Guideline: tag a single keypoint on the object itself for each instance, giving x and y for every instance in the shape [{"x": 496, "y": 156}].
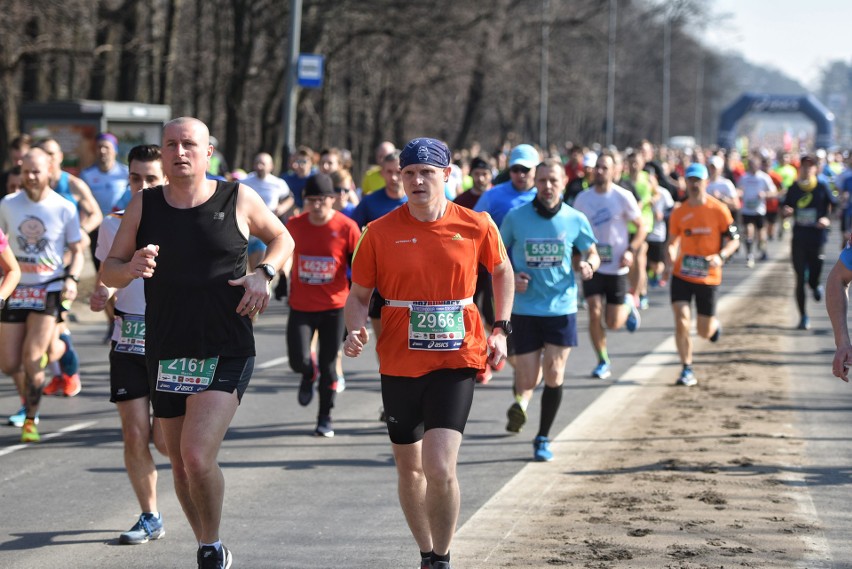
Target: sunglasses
[{"x": 518, "y": 170}]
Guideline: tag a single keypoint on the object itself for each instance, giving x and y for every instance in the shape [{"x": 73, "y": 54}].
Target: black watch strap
[
  {"x": 504, "y": 325},
  {"x": 267, "y": 270}
]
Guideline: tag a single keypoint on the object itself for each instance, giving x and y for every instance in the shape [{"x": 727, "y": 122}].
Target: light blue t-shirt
[
  {"x": 501, "y": 198},
  {"x": 107, "y": 187},
  {"x": 542, "y": 248},
  {"x": 375, "y": 205}
]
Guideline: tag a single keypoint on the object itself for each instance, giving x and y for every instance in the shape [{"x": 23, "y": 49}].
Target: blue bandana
[{"x": 425, "y": 151}]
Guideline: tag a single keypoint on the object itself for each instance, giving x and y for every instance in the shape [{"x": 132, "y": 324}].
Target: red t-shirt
[
  {"x": 318, "y": 278},
  {"x": 429, "y": 262}
]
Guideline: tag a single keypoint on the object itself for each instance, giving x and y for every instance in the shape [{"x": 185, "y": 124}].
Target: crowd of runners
[{"x": 452, "y": 263}]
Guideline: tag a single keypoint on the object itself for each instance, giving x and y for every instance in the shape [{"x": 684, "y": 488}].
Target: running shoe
[
  {"x": 517, "y": 418},
  {"x": 634, "y": 320},
  {"x": 341, "y": 384},
  {"x": 324, "y": 427},
  {"x": 804, "y": 323},
  {"x": 29, "y": 432},
  {"x": 17, "y": 420},
  {"x": 441, "y": 565},
  {"x": 483, "y": 377},
  {"x": 601, "y": 371},
  {"x": 750, "y": 261},
  {"x": 72, "y": 384},
  {"x": 687, "y": 378},
  {"x": 426, "y": 562},
  {"x": 541, "y": 450},
  {"x": 818, "y": 292},
  {"x": 764, "y": 256},
  {"x": 306, "y": 391},
  {"x": 717, "y": 334},
  {"x": 55, "y": 387},
  {"x": 211, "y": 558},
  {"x": 147, "y": 528},
  {"x": 643, "y": 302}
]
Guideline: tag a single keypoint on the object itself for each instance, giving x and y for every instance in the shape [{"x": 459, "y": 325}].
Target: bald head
[
  {"x": 35, "y": 171},
  {"x": 186, "y": 149},
  {"x": 263, "y": 164},
  {"x": 383, "y": 149}
]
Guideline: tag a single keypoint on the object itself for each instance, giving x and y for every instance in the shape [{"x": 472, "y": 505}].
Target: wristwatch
[
  {"x": 267, "y": 270},
  {"x": 504, "y": 325}
]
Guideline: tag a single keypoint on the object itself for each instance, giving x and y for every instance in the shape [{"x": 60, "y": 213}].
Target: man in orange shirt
[
  {"x": 422, "y": 258},
  {"x": 702, "y": 236}
]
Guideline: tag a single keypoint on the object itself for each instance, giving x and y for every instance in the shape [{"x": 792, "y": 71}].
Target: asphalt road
[{"x": 297, "y": 501}]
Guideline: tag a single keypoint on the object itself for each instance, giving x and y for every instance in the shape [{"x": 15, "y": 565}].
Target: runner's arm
[
  {"x": 837, "y": 304},
  {"x": 355, "y": 314},
  {"x": 90, "y": 213},
  {"x": 11, "y": 272}
]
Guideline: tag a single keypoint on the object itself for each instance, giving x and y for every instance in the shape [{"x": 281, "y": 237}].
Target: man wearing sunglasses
[{"x": 518, "y": 190}]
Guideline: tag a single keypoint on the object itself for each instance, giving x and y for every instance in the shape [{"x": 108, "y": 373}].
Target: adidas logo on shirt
[{"x": 457, "y": 237}]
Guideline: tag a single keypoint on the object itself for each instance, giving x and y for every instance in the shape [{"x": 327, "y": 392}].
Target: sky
[{"x": 798, "y": 37}]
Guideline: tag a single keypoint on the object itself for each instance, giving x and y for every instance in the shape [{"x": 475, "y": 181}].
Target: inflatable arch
[{"x": 808, "y": 105}]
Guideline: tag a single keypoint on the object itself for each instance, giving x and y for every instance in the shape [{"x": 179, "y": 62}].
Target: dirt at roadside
[{"x": 701, "y": 477}]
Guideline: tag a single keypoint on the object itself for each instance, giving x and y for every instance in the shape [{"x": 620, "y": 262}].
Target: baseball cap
[
  {"x": 319, "y": 185},
  {"x": 696, "y": 170},
  {"x": 524, "y": 155},
  {"x": 809, "y": 158},
  {"x": 479, "y": 164},
  {"x": 590, "y": 159},
  {"x": 717, "y": 162}
]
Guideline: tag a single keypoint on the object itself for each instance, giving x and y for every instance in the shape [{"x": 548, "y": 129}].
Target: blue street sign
[{"x": 309, "y": 70}]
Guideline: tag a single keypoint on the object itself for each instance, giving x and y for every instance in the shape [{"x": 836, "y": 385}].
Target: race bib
[
  {"x": 132, "y": 335},
  {"x": 605, "y": 253},
  {"x": 544, "y": 253},
  {"x": 186, "y": 375},
  {"x": 694, "y": 266},
  {"x": 751, "y": 204},
  {"x": 806, "y": 217},
  {"x": 436, "y": 326},
  {"x": 316, "y": 270},
  {"x": 28, "y": 298}
]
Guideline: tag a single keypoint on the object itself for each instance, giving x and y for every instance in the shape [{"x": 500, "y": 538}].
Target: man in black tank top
[{"x": 188, "y": 240}]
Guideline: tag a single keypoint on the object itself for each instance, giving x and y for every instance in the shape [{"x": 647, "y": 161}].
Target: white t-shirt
[
  {"x": 721, "y": 189},
  {"x": 271, "y": 189},
  {"x": 608, "y": 214},
  {"x": 658, "y": 233},
  {"x": 130, "y": 299},
  {"x": 38, "y": 234},
  {"x": 752, "y": 185}
]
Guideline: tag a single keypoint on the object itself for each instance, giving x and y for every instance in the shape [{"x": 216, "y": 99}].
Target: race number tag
[
  {"x": 694, "y": 266},
  {"x": 316, "y": 270},
  {"x": 544, "y": 253},
  {"x": 806, "y": 217},
  {"x": 436, "y": 326},
  {"x": 132, "y": 338},
  {"x": 185, "y": 375},
  {"x": 605, "y": 253},
  {"x": 751, "y": 204},
  {"x": 28, "y": 298}
]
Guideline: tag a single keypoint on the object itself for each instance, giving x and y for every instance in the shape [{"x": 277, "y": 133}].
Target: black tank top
[{"x": 191, "y": 308}]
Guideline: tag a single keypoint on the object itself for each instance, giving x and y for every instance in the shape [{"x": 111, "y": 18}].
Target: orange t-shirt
[
  {"x": 318, "y": 278},
  {"x": 410, "y": 260},
  {"x": 700, "y": 230}
]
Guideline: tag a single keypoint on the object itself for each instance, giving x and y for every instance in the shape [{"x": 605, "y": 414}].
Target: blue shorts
[{"x": 531, "y": 333}]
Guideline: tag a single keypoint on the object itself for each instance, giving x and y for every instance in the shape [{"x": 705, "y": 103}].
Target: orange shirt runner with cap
[
  {"x": 699, "y": 230},
  {"x": 409, "y": 260}
]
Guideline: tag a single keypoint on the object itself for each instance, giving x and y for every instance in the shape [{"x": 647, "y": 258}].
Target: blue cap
[
  {"x": 696, "y": 170},
  {"x": 425, "y": 151},
  {"x": 524, "y": 155}
]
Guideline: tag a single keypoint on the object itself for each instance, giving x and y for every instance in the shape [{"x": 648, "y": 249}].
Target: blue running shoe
[
  {"x": 147, "y": 528},
  {"x": 687, "y": 378},
  {"x": 211, "y": 558},
  {"x": 804, "y": 323},
  {"x": 17, "y": 420},
  {"x": 541, "y": 450},
  {"x": 601, "y": 371},
  {"x": 818, "y": 292},
  {"x": 634, "y": 320}
]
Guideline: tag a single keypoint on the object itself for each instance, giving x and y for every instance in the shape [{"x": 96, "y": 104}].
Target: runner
[
  {"x": 515, "y": 192},
  {"x": 754, "y": 187},
  {"x": 542, "y": 236},
  {"x": 128, "y": 376},
  {"x": 422, "y": 258},
  {"x": 702, "y": 236},
  {"x": 42, "y": 226},
  {"x": 325, "y": 242},
  {"x": 837, "y": 306},
  {"x": 609, "y": 208},
  {"x": 188, "y": 240},
  {"x": 810, "y": 203}
]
